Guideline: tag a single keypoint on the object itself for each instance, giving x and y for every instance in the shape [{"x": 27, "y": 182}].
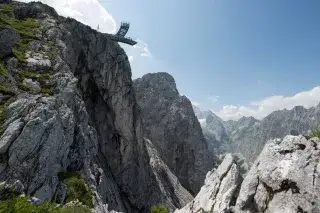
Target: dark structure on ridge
[{"x": 120, "y": 35}]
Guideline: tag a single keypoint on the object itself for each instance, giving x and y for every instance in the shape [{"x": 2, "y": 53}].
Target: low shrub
[{"x": 159, "y": 209}]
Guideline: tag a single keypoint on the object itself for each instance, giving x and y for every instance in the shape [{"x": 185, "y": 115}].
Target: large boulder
[
  {"x": 284, "y": 178},
  {"x": 8, "y": 38}
]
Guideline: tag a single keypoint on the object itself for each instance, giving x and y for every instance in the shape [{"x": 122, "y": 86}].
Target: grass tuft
[
  {"x": 20, "y": 205},
  {"x": 76, "y": 188},
  {"x": 6, "y": 8},
  {"x": 3, "y": 69},
  {"x": 315, "y": 133},
  {"x": 25, "y": 28},
  {"x": 159, "y": 209},
  {"x": 43, "y": 79}
]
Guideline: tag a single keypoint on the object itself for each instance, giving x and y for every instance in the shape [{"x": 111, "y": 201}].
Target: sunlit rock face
[{"x": 284, "y": 179}]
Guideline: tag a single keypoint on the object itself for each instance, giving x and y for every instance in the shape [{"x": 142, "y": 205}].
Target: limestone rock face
[
  {"x": 89, "y": 123},
  {"x": 172, "y": 190},
  {"x": 174, "y": 129},
  {"x": 213, "y": 130},
  {"x": 219, "y": 191},
  {"x": 8, "y": 37},
  {"x": 284, "y": 178}
]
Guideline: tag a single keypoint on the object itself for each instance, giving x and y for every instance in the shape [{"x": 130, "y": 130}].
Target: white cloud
[
  {"x": 195, "y": 103},
  {"x": 89, "y": 12},
  {"x": 260, "y": 109},
  {"x": 143, "y": 48},
  {"x": 130, "y": 58},
  {"x": 213, "y": 99}
]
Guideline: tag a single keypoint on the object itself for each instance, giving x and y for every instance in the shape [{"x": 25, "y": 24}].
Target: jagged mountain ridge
[{"x": 249, "y": 135}]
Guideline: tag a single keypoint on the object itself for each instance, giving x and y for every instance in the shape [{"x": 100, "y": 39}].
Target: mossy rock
[
  {"x": 23, "y": 87},
  {"x": 76, "y": 188},
  {"x": 6, "y": 8},
  {"x": 6, "y": 89},
  {"x": 25, "y": 28},
  {"x": 43, "y": 79}
]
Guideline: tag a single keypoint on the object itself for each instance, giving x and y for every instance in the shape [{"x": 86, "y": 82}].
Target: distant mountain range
[{"x": 249, "y": 135}]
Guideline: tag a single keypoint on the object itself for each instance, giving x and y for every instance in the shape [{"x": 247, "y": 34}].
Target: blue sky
[
  {"x": 241, "y": 51},
  {"x": 235, "y": 57}
]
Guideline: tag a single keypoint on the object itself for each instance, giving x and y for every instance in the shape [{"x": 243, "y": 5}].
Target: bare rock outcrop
[
  {"x": 8, "y": 38},
  {"x": 173, "y": 128},
  {"x": 284, "y": 178},
  {"x": 219, "y": 191}
]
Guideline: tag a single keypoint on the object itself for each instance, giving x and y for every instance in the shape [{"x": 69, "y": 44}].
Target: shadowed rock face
[
  {"x": 284, "y": 178},
  {"x": 90, "y": 125},
  {"x": 173, "y": 128}
]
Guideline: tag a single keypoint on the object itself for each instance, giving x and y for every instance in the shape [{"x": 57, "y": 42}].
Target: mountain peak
[{"x": 161, "y": 81}]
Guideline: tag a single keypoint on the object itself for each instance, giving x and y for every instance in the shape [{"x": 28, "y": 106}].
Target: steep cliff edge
[
  {"x": 174, "y": 129},
  {"x": 68, "y": 106},
  {"x": 284, "y": 179}
]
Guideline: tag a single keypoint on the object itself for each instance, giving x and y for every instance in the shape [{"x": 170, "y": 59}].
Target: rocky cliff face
[
  {"x": 219, "y": 191},
  {"x": 67, "y": 105},
  {"x": 248, "y": 135},
  {"x": 174, "y": 129},
  {"x": 284, "y": 178},
  {"x": 214, "y": 131}
]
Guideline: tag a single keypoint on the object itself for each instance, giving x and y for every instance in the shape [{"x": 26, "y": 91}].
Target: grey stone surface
[
  {"x": 171, "y": 189},
  {"x": 219, "y": 191},
  {"x": 214, "y": 131},
  {"x": 8, "y": 37},
  {"x": 173, "y": 128},
  {"x": 33, "y": 85},
  {"x": 284, "y": 178},
  {"x": 12, "y": 64}
]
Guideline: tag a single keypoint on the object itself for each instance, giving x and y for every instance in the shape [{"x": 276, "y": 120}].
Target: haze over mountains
[{"x": 248, "y": 135}]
